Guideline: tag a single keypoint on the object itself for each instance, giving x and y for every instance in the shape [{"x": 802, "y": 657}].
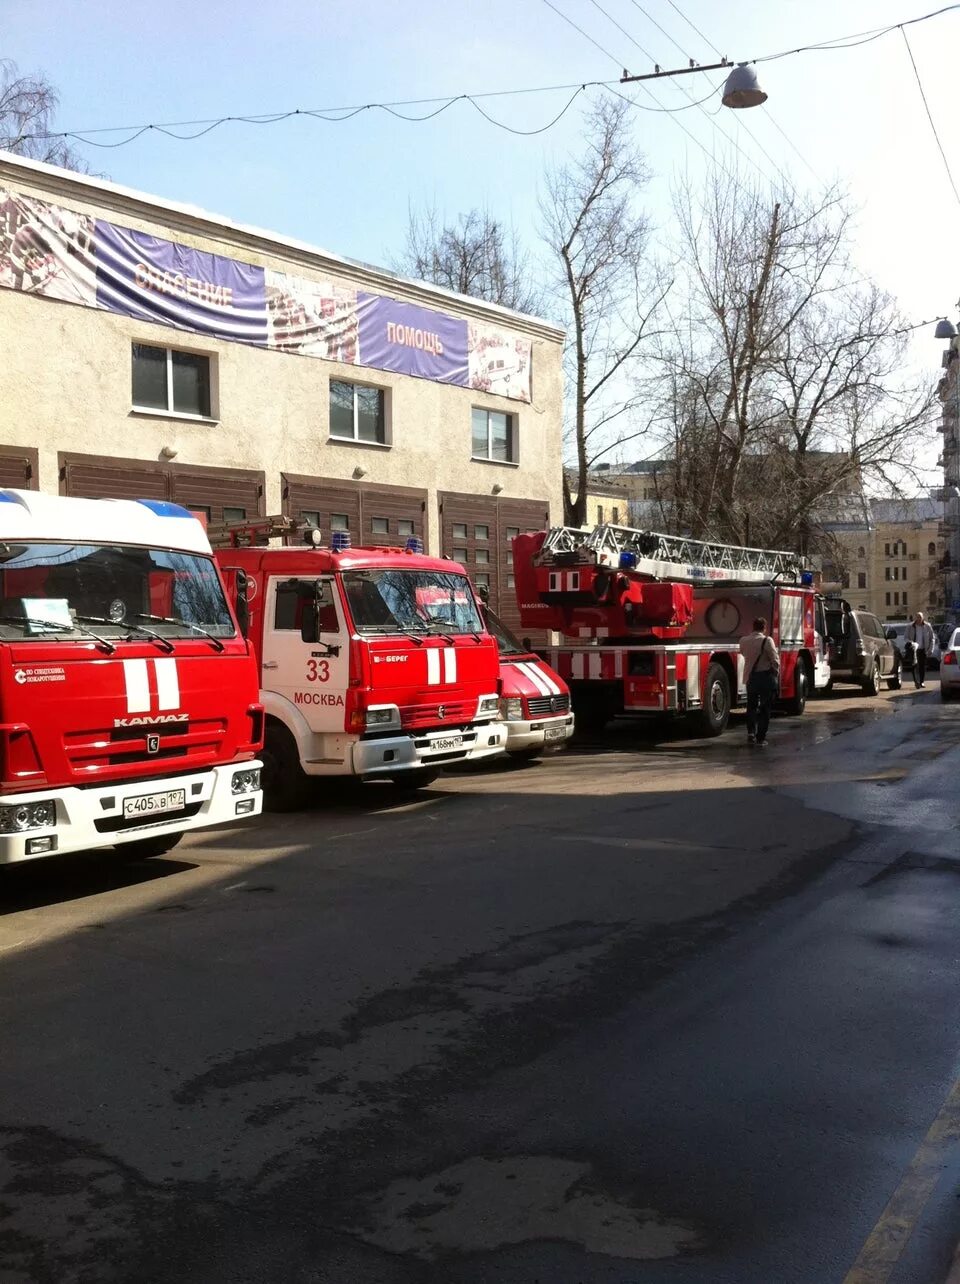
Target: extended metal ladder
[{"x": 667, "y": 557}]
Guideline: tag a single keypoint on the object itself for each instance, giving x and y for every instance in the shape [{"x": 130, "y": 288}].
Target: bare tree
[
  {"x": 782, "y": 386},
  {"x": 477, "y": 255},
  {"x": 28, "y": 104},
  {"x": 610, "y": 298}
]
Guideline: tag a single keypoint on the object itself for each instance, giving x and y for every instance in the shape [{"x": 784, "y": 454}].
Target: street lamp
[{"x": 741, "y": 89}]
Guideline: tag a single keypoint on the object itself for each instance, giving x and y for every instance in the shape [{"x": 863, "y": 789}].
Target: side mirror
[
  {"x": 309, "y": 631},
  {"x": 891, "y": 635},
  {"x": 235, "y": 579}
]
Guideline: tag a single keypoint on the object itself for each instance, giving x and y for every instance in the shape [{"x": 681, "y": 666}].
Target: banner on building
[{"x": 58, "y": 253}]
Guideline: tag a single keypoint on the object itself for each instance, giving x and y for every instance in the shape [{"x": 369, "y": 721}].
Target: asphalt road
[{"x": 656, "y": 1010}]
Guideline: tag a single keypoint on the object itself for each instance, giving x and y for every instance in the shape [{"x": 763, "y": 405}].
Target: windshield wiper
[
  {"x": 438, "y": 632},
  {"x": 61, "y": 628},
  {"x": 183, "y": 624},
  {"x": 141, "y": 628}
]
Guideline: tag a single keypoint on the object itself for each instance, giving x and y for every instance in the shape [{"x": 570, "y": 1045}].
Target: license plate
[
  {"x": 151, "y": 804},
  {"x": 446, "y": 743},
  {"x": 555, "y": 733}
]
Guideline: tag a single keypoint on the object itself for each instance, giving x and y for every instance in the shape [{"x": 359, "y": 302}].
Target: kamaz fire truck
[
  {"x": 129, "y": 701},
  {"x": 658, "y": 620},
  {"x": 375, "y": 662}
]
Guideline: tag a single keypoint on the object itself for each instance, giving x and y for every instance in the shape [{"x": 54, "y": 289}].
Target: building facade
[{"x": 153, "y": 350}]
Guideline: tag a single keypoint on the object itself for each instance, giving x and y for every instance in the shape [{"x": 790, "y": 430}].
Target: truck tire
[
  {"x": 715, "y": 714},
  {"x": 286, "y": 786},
  {"x": 871, "y": 686},
  {"x": 415, "y": 778},
  {"x": 802, "y": 683},
  {"x": 144, "y": 848}
]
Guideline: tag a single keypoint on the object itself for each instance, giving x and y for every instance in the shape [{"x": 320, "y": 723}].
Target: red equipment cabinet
[
  {"x": 375, "y": 662},
  {"x": 129, "y": 706},
  {"x": 658, "y": 620}
]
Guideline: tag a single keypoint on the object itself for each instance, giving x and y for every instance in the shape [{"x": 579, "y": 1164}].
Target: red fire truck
[
  {"x": 129, "y": 706},
  {"x": 658, "y": 618},
  {"x": 375, "y": 662}
]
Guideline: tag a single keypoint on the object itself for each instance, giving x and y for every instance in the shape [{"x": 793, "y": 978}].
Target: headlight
[
  {"x": 36, "y": 815},
  {"x": 246, "y": 781},
  {"x": 383, "y": 717},
  {"x": 489, "y": 706},
  {"x": 511, "y": 710}
]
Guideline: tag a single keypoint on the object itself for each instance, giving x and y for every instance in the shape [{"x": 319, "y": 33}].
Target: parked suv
[{"x": 860, "y": 652}]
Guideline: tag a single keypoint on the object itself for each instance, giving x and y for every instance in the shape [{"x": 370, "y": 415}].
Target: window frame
[
  {"x": 513, "y": 438},
  {"x": 334, "y": 438},
  {"x": 212, "y": 416}
]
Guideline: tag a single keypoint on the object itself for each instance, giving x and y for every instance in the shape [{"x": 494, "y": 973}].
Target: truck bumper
[
  {"x": 386, "y": 755},
  {"x": 545, "y": 733},
  {"x": 91, "y": 818}
]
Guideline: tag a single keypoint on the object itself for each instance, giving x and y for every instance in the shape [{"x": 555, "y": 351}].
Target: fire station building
[{"x": 153, "y": 350}]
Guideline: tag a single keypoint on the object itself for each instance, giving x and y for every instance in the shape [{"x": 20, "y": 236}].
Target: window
[
  {"x": 460, "y": 554},
  {"x": 380, "y": 525},
  {"x": 896, "y": 572},
  {"x": 886, "y": 550},
  {"x": 512, "y": 532},
  {"x": 599, "y": 514},
  {"x": 172, "y": 382},
  {"x": 482, "y": 581},
  {"x": 861, "y": 579},
  {"x": 482, "y": 557},
  {"x": 481, "y": 532},
  {"x": 896, "y": 599},
  {"x": 888, "y": 599},
  {"x": 511, "y": 582},
  {"x": 356, "y": 413},
  {"x": 310, "y": 516},
  {"x": 931, "y": 549},
  {"x": 459, "y": 530},
  {"x": 293, "y": 596},
  {"x": 493, "y": 436},
  {"x": 405, "y": 528},
  {"x": 903, "y": 572},
  {"x": 234, "y": 514},
  {"x": 886, "y": 572},
  {"x": 861, "y": 551},
  {"x": 339, "y": 522},
  {"x": 615, "y": 519}
]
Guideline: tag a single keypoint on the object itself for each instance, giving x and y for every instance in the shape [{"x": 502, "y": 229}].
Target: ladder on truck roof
[
  {"x": 667, "y": 557},
  {"x": 251, "y": 532}
]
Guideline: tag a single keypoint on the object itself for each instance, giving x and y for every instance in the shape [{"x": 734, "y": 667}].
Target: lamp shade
[
  {"x": 742, "y": 88},
  {"x": 945, "y": 329}
]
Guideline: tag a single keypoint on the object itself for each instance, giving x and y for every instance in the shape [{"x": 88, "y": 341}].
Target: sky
[{"x": 855, "y": 115}]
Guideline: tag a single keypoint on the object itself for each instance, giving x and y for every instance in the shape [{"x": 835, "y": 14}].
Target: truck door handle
[{"x": 270, "y": 664}]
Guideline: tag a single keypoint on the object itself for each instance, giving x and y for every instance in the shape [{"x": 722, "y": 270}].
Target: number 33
[{"x": 318, "y": 670}]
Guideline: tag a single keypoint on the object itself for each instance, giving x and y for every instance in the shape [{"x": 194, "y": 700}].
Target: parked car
[
  {"x": 534, "y": 701},
  {"x": 896, "y": 631},
  {"x": 950, "y": 666},
  {"x": 861, "y": 654}
]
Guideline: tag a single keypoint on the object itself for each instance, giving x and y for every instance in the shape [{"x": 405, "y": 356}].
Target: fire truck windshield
[
  {"x": 507, "y": 644},
  {"x": 55, "y": 590},
  {"x": 401, "y": 601}
]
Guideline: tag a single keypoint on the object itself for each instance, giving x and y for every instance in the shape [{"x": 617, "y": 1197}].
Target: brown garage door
[
  {"x": 373, "y": 514},
  {"x": 477, "y": 530},
  {"x": 19, "y": 468},
  {"x": 221, "y": 494}
]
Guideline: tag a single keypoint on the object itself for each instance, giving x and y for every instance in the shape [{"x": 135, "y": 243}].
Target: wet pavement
[{"x": 657, "y": 1009}]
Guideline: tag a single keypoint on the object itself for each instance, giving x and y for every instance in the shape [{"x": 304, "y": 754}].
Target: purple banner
[
  {"x": 412, "y": 340},
  {"x": 155, "y": 280}
]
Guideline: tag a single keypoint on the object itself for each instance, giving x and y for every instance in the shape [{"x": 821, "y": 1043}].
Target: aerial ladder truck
[{"x": 652, "y": 623}]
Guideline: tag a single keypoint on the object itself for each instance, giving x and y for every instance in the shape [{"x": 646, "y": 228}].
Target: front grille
[
  {"x": 540, "y": 706},
  {"x": 429, "y": 715},
  {"x": 190, "y": 744}
]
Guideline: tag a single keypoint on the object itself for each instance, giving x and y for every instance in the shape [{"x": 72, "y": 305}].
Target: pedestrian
[
  {"x": 921, "y": 635},
  {"x": 762, "y": 666}
]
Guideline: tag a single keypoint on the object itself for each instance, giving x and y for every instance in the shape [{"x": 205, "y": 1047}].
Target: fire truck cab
[{"x": 375, "y": 662}]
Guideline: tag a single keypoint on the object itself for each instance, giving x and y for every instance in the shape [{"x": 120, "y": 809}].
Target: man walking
[
  {"x": 921, "y": 635},
  {"x": 761, "y": 664}
]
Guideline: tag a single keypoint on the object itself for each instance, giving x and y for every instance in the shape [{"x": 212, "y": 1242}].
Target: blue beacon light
[
  {"x": 340, "y": 541},
  {"x": 628, "y": 560},
  {"x": 806, "y": 577},
  {"x": 414, "y": 544}
]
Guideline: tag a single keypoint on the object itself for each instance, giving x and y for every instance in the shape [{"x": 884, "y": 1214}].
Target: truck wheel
[
  {"x": 872, "y": 685},
  {"x": 144, "y": 848},
  {"x": 415, "y": 778},
  {"x": 801, "y": 688},
  {"x": 286, "y": 786},
  {"x": 715, "y": 714}
]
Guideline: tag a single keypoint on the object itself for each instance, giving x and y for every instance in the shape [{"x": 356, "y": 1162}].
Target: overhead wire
[{"x": 943, "y": 154}]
